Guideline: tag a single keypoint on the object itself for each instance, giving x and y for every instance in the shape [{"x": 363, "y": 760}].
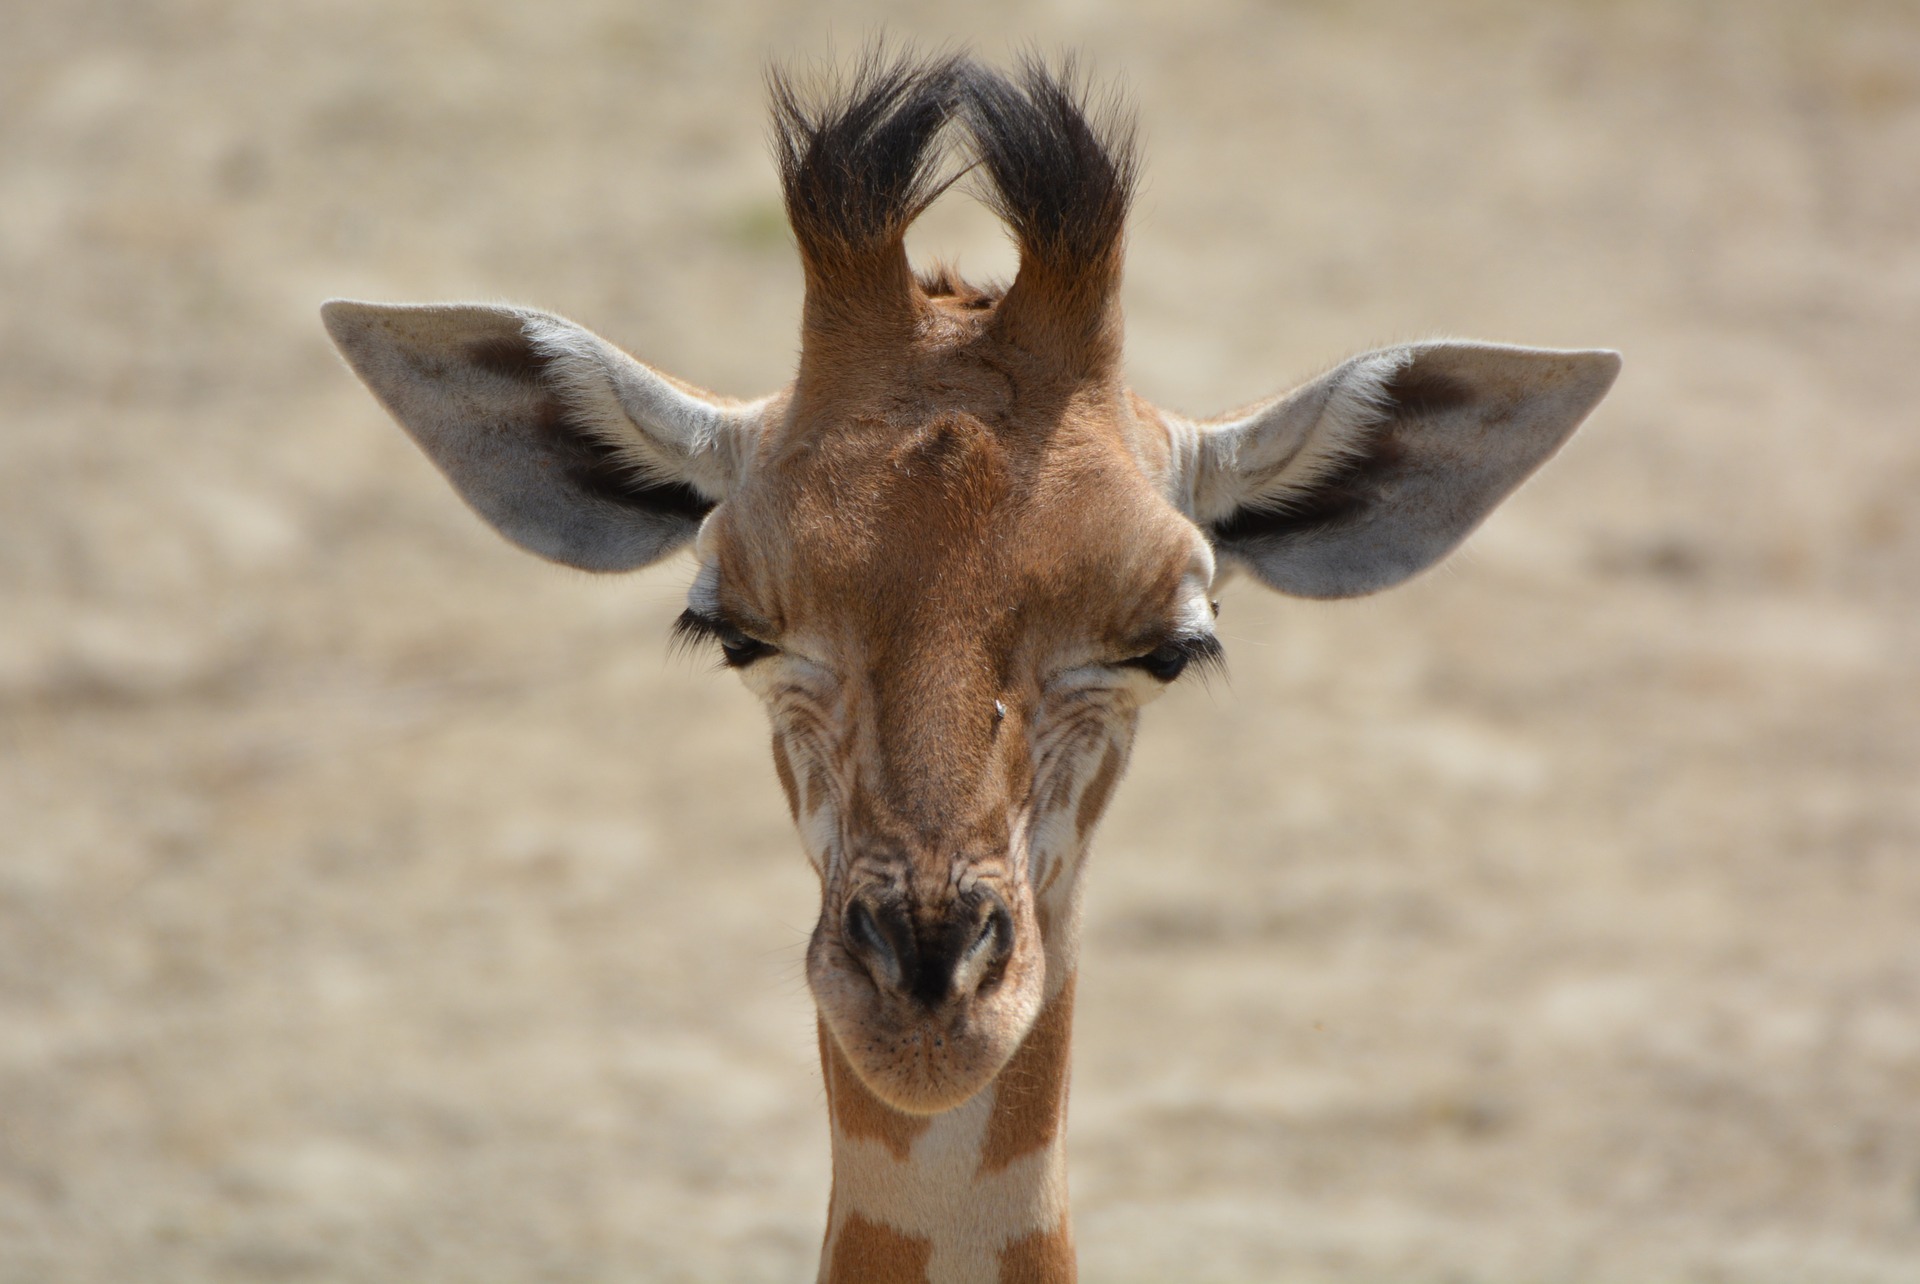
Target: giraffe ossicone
[{"x": 955, "y": 557}]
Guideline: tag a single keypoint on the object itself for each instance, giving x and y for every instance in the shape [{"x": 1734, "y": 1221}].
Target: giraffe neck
[{"x": 977, "y": 1195}]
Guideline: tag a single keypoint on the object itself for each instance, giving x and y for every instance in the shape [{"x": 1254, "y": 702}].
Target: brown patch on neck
[
  {"x": 1099, "y": 789},
  {"x": 1044, "y": 1257},
  {"x": 1030, "y": 1096},
  {"x": 859, "y": 1114},
  {"x": 783, "y": 768},
  {"x": 870, "y": 1253}
]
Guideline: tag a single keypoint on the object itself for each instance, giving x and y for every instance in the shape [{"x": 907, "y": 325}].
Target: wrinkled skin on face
[{"x": 947, "y": 619}]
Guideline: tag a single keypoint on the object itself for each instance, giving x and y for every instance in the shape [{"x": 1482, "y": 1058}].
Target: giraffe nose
[{"x": 954, "y": 952}]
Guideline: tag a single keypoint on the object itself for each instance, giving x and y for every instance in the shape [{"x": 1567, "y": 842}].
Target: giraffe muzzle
[{"x": 934, "y": 956}]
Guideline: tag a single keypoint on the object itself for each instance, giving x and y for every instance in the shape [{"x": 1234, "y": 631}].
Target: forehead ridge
[{"x": 947, "y": 524}]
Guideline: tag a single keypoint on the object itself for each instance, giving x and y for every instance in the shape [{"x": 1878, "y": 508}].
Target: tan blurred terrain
[{"x": 379, "y": 904}]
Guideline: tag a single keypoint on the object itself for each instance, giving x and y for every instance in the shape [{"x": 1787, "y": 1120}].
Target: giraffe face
[
  {"x": 955, "y": 556},
  {"x": 953, "y": 623}
]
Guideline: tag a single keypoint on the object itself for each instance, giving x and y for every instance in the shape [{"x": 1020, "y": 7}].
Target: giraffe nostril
[
  {"x": 995, "y": 927},
  {"x": 954, "y": 954},
  {"x": 861, "y": 930},
  {"x": 984, "y": 962},
  {"x": 884, "y": 953}
]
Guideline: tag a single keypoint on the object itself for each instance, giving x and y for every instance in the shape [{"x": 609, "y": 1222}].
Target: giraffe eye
[
  {"x": 1174, "y": 657},
  {"x": 736, "y": 648}
]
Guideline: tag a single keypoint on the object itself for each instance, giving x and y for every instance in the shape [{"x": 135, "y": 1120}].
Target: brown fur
[
  {"x": 935, "y": 559},
  {"x": 783, "y": 768},
  {"x": 1094, "y": 801},
  {"x": 869, "y": 1253},
  {"x": 944, "y": 283},
  {"x": 943, "y": 548},
  {"x": 1031, "y": 1102},
  {"x": 857, "y": 1112},
  {"x": 1044, "y": 1257},
  {"x": 958, "y": 500}
]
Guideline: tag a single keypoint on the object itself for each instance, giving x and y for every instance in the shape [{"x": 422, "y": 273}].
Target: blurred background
[{"x": 378, "y": 903}]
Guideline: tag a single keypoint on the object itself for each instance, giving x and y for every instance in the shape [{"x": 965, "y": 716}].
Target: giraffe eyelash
[
  {"x": 1200, "y": 654},
  {"x": 737, "y": 649}
]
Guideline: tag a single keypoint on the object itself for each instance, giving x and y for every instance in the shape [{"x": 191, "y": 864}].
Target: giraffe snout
[{"x": 936, "y": 954}]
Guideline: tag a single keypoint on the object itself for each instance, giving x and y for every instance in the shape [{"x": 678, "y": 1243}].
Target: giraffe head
[{"x": 956, "y": 555}]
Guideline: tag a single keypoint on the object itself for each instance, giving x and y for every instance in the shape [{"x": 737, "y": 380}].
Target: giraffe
[{"x": 955, "y": 557}]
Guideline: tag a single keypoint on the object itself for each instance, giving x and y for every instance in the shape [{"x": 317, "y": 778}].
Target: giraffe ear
[
  {"x": 1376, "y": 470},
  {"x": 566, "y": 445}
]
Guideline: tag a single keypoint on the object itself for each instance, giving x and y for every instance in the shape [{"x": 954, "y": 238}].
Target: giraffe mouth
[{"x": 926, "y": 1018}]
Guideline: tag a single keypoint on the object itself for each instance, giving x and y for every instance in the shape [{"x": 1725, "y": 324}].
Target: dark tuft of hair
[
  {"x": 1060, "y": 170},
  {"x": 859, "y": 162}
]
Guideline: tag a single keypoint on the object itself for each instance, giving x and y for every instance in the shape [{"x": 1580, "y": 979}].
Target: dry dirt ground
[{"x": 379, "y": 904}]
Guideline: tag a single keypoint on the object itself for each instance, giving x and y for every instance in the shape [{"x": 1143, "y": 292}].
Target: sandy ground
[{"x": 379, "y": 904}]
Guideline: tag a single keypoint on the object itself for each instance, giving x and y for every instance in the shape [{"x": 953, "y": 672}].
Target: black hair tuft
[
  {"x": 859, "y": 163},
  {"x": 1060, "y": 171}
]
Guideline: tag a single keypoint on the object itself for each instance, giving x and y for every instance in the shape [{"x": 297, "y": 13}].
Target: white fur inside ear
[
  {"x": 1376, "y": 470},
  {"x": 1270, "y": 456},
  {"x": 663, "y": 431},
  {"x": 509, "y": 404}
]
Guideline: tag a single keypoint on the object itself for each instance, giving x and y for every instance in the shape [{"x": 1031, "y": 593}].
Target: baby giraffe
[{"x": 954, "y": 558}]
